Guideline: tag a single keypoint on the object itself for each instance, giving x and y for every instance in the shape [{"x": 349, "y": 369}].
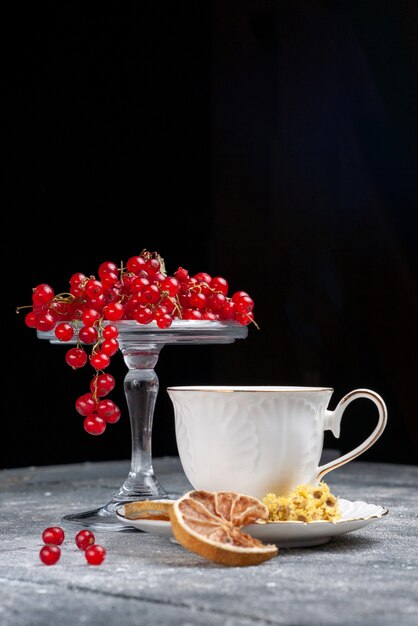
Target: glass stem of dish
[{"x": 141, "y": 390}]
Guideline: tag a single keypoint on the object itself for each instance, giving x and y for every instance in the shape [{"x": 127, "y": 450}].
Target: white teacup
[{"x": 260, "y": 439}]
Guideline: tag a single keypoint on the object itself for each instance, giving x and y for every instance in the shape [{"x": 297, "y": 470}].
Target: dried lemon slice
[
  {"x": 209, "y": 524},
  {"x": 148, "y": 509}
]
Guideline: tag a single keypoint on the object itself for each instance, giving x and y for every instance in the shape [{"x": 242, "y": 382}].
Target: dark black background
[{"x": 273, "y": 143}]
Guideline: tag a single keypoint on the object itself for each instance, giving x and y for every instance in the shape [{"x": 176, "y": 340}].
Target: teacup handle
[{"x": 333, "y": 422}]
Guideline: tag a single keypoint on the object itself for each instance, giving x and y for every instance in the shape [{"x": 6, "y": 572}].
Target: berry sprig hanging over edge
[{"x": 142, "y": 291}]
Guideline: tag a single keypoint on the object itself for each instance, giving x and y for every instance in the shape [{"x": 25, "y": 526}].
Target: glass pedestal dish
[{"x": 140, "y": 346}]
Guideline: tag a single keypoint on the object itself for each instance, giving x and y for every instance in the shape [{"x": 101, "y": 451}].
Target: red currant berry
[
  {"x": 77, "y": 279},
  {"x": 208, "y": 315},
  {"x": 49, "y": 555},
  {"x": 143, "y": 315},
  {"x": 64, "y": 331},
  {"x": 139, "y": 283},
  {"x": 110, "y": 331},
  {"x": 106, "y": 408},
  {"x": 76, "y": 357},
  {"x": 84, "y": 539},
  {"x": 114, "y": 311},
  {"x": 95, "y": 554},
  {"x": 53, "y": 535},
  {"x": 244, "y": 304},
  {"x": 229, "y": 311},
  {"x": 152, "y": 266},
  {"x": 109, "y": 280},
  {"x": 245, "y": 318},
  {"x": 192, "y": 314},
  {"x": 106, "y": 267},
  {"x": 88, "y": 334},
  {"x": 198, "y": 300},
  {"x": 219, "y": 284},
  {"x": 94, "y": 424},
  {"x": 150, "y": 295},
  {"x": 95, "y": 303},
  {"x": 85, "y": 404},
  {"x": 102, "y": 384},
  {"x": 135, "y": 264},
  {"x": 46, "y": 321},
  {"x": 164, "y": 321},
  {"x": 203, "y": 277},
  {"x": 93, "y": 288},
  {"x": 30, "y": 319},
  {"x": 181, "y": 274},
  {"x": 90, "y": 317},
  {"x": 109, "y": 346},
  {"x": 171, "y": 285},
  {"x": 99, "y": 360},
  {"x": 115, "y": 417},
  {"x": 42, "y": 294},
  {"x": 238, "y": 294},
  {"x": 217, "y": 302}
]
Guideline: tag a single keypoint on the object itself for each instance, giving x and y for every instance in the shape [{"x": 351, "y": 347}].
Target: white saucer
[{"x": 355, "y": 515}]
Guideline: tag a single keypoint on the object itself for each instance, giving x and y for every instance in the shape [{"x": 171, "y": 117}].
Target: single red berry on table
[
  {"x": 53, "y": 535},
  {"x": 49, "y": 555},
  {"x": 84, "y": 539},
  {"x": 95, "y": 554}
]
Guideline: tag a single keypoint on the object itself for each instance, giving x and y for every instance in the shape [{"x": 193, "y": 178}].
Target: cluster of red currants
[
  {"x": 54, "y": 536},
  {"x": 142, "y": 291}
]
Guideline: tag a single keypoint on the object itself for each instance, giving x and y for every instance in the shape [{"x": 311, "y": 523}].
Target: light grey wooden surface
[{"x": 368, "y": 577}]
